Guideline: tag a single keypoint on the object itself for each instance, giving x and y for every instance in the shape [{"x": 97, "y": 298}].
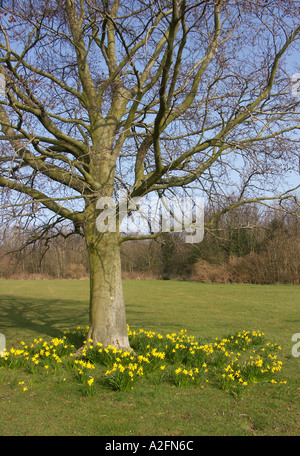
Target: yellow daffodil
[{"x": 90, "y": 381}]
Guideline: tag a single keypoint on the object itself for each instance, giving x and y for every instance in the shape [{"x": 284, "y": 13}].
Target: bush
[
  {"x": 278, "y": 263},
  {"x": 207, "y": 272}
]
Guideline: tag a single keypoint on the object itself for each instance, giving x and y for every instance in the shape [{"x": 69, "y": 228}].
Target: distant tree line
[{"x": 244, "y": 246}]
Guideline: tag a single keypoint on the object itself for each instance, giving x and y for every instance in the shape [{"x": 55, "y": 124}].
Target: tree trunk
[{"x": 107, "y": 308}]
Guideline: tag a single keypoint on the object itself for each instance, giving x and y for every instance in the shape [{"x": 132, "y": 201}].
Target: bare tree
[{"x": 153, "y": 96}]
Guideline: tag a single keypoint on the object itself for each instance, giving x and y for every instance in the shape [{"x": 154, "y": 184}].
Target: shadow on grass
[{"x": 18, "y": 315}]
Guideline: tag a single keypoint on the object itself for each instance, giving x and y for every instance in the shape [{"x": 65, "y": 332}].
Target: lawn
[{"x": 51, "y": 405}]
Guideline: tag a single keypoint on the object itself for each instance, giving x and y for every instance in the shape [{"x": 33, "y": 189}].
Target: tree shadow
[{"x": 40, "y": 316}]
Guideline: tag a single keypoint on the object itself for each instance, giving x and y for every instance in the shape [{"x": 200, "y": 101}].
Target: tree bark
[{"x": 107, "y": 307}]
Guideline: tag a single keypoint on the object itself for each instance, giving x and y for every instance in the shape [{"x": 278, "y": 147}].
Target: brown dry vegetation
[{"x": 242, "y": 249}]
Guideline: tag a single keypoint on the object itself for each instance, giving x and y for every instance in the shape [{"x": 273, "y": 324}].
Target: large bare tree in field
[{"x": 144, "y": 96}]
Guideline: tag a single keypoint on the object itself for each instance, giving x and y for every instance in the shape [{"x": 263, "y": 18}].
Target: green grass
[{"x": 54, "y": 406}]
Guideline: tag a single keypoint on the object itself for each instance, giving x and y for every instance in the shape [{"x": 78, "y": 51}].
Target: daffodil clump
[
  {"x": 106, "y": 356},
  {"x": 121, "y": 377},
  {"x": 183, "y": 376},
  {"x": 84, "y": 374},
  {"x": 233, "y": 362},
  {"x": 39, "y": 353}
]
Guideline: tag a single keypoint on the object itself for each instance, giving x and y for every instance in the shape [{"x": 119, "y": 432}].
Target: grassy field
[{"x": 51, "y": 406}]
